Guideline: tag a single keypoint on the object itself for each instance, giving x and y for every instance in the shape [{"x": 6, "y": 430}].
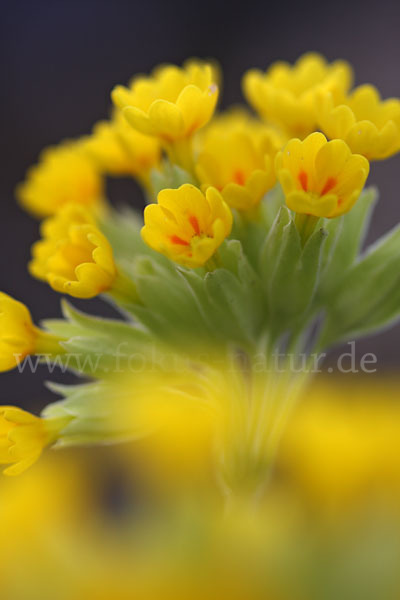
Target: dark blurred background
[{"x": 60, "y": 59}]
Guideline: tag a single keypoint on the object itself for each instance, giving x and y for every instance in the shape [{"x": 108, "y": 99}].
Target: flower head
[
  {"x": 285, "y": 94},
  {"x": 172, "y": 103},
  {"x": 118, "y": 149},
  {"x": 53, "y": 230},
  {"x": 18, "y": 334},
  {"x": 80, "y": 263},
  {"x": 236, "y": 157},
  {"x": 24, "y": 436},
  {"x": 187, "y": 225},
  {"x": 320, "y": 178},
  {"x": 64, "y": 175},
  {"x": 370, "y": 126}
]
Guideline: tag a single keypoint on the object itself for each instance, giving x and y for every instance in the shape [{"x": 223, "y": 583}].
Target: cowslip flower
[
  {"x": 172, "y": 103},
  {"x": 19, "y": 337},
  {"x": 236, "y": 157},
  {"x": 80, "y": 264},
  {"x": 23, "y": 437},
  {"x": 63, "y": 175},
  {"x": 186, "y": 225},
  {"x": 118, "y": 149},
  {"x": 285, "y": 95},
  {"x": 320, "y": 178},
  {"x": 53, "y": 229},
  {"x": 370, "y": 126}
]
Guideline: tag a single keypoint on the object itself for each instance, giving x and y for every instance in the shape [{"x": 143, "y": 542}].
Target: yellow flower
[
  {"x": 320, "y": 178},
  {"x": 172, "y": 103},
  {"x": 285, "y": 94},
  {"x": 187, "y": 225},
  {"x": 19, "y": 337},
  {"x": 75, "y": 258},
  {"x": 370, "y": 126},
  {"x": 64, "y": 175},
  {"x": 118, "y": 149},
  {"x": 24, "y": 436},
  {"x": 53, "y": 230},
  {"x": 236, "y": 157},
  {"x": 81, "y": 264}
]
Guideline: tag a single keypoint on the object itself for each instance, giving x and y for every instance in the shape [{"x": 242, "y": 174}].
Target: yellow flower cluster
[
  {"x": 312, "y": 95},
  {"x": 367, "y": 124},
  {"x": 234, "y": 158},
  {"x": 285, "y": 95}
]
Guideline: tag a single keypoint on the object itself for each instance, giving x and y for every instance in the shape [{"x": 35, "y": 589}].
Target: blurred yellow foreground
[{"x": 146, "y": 520}]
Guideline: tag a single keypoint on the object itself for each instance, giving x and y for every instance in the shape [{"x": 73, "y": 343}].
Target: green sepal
[
  {"x": 99, "y": 414},
  {"x": 368, "y": 295},
  {"x": 92, "y": 343},
  {"x": 346, "y": 236},
  {"x": 290, "y": 272}
]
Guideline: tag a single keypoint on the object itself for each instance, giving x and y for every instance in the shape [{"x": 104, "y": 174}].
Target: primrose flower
[
  {"x": 80, "y": 264},
  {"x": 187, "y": 225},
  {"x": 172, "y": 103},
  {"x": 320, "y": 178},
  {"x": 53, "y": 229},
  {"x": 370, "y": 126},
  {"x": 236, "y": 157},
  {"x": 285, "y": 95},
  {"x": 24, "y": 436},
  {"x": 64, "y": 175},
  {"x": 118, "y": 149},
  {"x": 19, "y": 337}
]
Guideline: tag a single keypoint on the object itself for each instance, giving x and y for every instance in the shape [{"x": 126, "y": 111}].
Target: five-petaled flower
[
  {"x": 23, "y": 437},
  {"x": 285, "y": 95},
  {"x": 237, "y": 157},
  {"x": 187, "y": 225},
  {"x": 370, "y": 126},
  {"x": 172, "y": 103},
  {"x": 64, "y": 174},
  {"x": 320, "y": 178},
  {"x": 80, "y": 263}
]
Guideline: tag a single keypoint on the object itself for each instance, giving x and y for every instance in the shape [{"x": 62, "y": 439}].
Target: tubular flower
[
  {"x": 64, "y": 175},
  {"x": 172, "y": 103},
  {"x": 52, "y": 231},
  {"x": 320, "y": 178},
  {"x": 186, "y": 225},
  {"x": 80, "y": 264},
  {"x": 19, "y": 337},
  {"x": 370, "y": 126},
  {"x": 24, "y": 436},
  {"x": 236, "y": 157},
  {"x": 118, "y": 149},
  {"x": 285, "y": 94}
]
